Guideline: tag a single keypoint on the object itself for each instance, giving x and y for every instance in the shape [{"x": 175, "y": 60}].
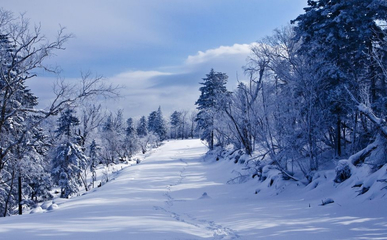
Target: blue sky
[{"x": 157, "y": 49}]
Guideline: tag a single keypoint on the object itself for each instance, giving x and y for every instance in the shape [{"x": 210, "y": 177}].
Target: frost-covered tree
[
  {"x": 130, "y": 129},
  {"x": 279, "y": 110},
  {"x": 179, "y": 125},
  {"x": 66, "y": 124},
  {"x": 156, "y": 124},
  {"x": 94, "y": 159},
  {"x": 184, "y": 124},
  {"x": 211, "y": 95},
  {"x": 338, "y": 37},
  {"x": 131, "y": 143},
  {"x": 17, "y": 126},
  {"x": 69, "y": 160},
  {"x": 142, "y": 127},
  {"x": 23, "y": 51},
  {"x": 113, "y": 135},
  {"x": 238, "y": 110},
  {"x": 192, "y": 124},
  {"x": 90, "y": 120},
  {"x": 176, "y": 125}
]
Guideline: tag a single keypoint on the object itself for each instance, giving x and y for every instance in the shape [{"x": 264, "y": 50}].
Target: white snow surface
[{"x": 178, "y": 193}]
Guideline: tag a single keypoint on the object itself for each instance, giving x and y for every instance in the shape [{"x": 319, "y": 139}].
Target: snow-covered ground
[{"x": 176, "y": 194}]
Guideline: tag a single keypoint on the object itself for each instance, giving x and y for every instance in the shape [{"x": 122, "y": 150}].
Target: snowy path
[{"x": 163, "y": 198}]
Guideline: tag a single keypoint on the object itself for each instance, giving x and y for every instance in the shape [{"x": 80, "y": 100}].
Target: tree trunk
[
  {"x": 338, "y": 136},
  {"x": 212, "y": 140},
  {"x": 354, "y": 137},
  {"x": 20, "y": 194},
  {"x": 9, "y": 195}
]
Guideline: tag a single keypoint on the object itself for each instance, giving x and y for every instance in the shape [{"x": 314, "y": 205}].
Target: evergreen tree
[
  {"x": 156, "y": 124},
  {"x": 94, "y": 155},
  {"x": 152, "y": 122},
  {"x": 69, "y": 160},
  {"x": 211, "y": 96},
  {"x": 94, "y": 152},
  {"x": 161, "y": 129},
  {"x": 35, "y": 169},
  {"x": 142, "y": 127},
  {"x": 131, "y": 144},
  {"x": 341, "y": 32},
  {"x": 339, "y": 38},
  {"x": 66, "y": 123},
  {"x": 130, "y": 129}
]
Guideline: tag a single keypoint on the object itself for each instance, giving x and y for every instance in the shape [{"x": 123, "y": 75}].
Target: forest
[{"x": 315, "y": 98}]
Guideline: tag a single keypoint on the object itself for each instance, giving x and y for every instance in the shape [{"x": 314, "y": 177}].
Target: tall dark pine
[
  {"x": 94, "y": 151},
  {"x": 339, "y": 37},
  {"x": 161, "y": 129},
  {"x": 94, "y": 154},
  {"x": 66, "y": 123},
  {"x": 212, "y": 92}
]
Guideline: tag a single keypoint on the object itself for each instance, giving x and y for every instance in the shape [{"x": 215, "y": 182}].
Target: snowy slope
[{"x": 175, "y": 193}]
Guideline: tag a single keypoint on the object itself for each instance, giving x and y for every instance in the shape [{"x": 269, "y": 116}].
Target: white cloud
[
  {"x": 202, "y": 57},
  {"x": 172, "y": 88},
  {"x": 177, "y": 88},
  {"x": 137, "y": 79}
]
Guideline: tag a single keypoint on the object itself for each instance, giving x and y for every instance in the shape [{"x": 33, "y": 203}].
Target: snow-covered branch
[{"x": 369, "y": 113}]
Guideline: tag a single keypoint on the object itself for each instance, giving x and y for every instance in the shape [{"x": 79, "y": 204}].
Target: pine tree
[
  {"x": 35, "y": 169},
  {"x": 152, "y": 122},
  {"x": 341, "y": 32},
  {"x": 66, "y": 123},
  {"x": 131, "y": 144},
  {"x": 142, "y": 127},
  {"x": 94, "y": 155},
  {"x": 70, "y": 160},
  {"x": 156, "y": 124},
  {"x": 161, "y": 129},
  {"x": 339, "y": 38},
  {"x": 94, "y": 152},
  {"x": 212, "y": 93}
]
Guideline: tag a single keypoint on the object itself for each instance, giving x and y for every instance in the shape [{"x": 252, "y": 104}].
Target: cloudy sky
[{"x": 159, "y": 50}]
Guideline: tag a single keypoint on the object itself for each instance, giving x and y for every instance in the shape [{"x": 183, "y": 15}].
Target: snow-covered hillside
[{"x": 177, "y": 193}]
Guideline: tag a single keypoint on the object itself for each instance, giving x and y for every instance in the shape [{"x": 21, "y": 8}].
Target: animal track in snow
[{"x": 219, "y": 232}]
